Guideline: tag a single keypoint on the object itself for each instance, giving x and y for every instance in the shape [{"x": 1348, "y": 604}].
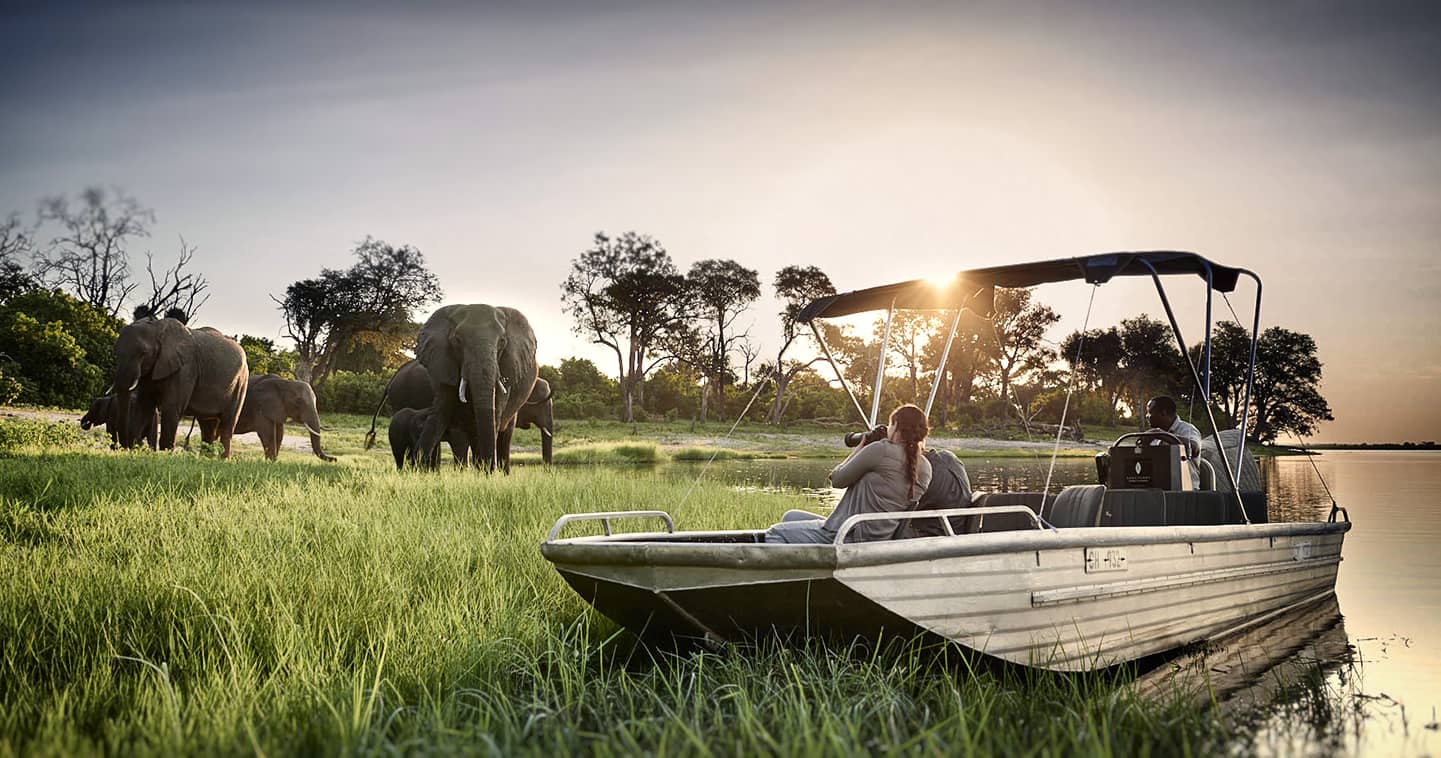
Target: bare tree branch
[
  {"x": 176, "y": 289},
  {"x": 89, "y": 256}
]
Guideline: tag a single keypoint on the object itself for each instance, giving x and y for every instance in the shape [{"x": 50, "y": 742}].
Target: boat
[{"x": 1093, "y": 576}]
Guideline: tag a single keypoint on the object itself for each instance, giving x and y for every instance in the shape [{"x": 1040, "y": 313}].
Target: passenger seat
[{"x": 1077, "y": 506}]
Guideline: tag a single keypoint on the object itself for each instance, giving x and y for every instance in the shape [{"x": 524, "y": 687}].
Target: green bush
[
  {"x": 351, "y": 392},
  {"x": 31, "y": 432},
  {"x": 10, "y": 388}
]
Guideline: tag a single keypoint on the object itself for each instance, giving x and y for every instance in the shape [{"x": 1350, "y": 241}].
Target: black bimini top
[{"x": 978, "y": 285}]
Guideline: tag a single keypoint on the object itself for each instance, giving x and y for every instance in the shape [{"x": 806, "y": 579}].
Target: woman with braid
[{"x": 886, "y": 476}]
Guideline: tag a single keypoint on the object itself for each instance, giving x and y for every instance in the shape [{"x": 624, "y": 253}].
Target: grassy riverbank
[{"x": 175, "y": 604}]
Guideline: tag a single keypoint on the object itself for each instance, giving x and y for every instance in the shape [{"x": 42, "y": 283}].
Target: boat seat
[
  {"x": 1003, "y": 522},
  {"x": 1077, "y": 506},
  {"x": 1200, "y": 508},
  {"x": 1123, "y": 507}
]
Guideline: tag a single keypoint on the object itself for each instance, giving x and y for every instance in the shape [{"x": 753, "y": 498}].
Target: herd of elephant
[{"x": 473, "y": 381}]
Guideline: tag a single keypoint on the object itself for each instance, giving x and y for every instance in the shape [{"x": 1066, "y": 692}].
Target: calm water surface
[{"x": 1379, "y": 663}]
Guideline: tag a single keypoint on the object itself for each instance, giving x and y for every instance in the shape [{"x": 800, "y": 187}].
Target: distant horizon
[{"x": 1302, "y": 141}]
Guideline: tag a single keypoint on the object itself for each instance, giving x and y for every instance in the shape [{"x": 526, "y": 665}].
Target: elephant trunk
[
  {"x": 547, "y": 433},
  {"x": 127, "y": 379},
  {"x": 481, "y": 380}
]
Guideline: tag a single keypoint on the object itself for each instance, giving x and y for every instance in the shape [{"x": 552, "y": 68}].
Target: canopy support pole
[
  {"x": 1196, "y": 377},
  {"x": 1250, "y": 368},
  {"x": 945, "y": 356},
  {"x": 839, "y": 375},
  {"x": 881, "y": 364}
]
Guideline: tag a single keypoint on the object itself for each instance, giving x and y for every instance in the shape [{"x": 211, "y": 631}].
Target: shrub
[
  {"x": 351, "y": 392},
  {"x": 32, "y": 432}
]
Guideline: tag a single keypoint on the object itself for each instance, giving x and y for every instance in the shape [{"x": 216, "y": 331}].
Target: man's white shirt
[{"x": 1188, "y": 434}]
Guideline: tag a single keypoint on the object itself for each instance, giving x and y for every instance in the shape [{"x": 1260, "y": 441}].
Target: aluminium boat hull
[{"x": 1066, "y": 600}]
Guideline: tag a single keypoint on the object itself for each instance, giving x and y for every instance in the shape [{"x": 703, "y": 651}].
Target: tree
[
  {"x": 580, "y": 389},
  {"x": 1151, "y": 361},
  {"x": 176, "y": 289},
  {"x": 1100, "y": 366},
  {"x": 62, "y": 349},
  {"x": 720, "y": 290},
  {"x": 1286, "y": 395},
  {"x": 967, "y": 358},
  {"x": 89, "y": 257},
  {"x": 1018, "y": 326},
  {"x": 380, "y": 292},
  {"x": 795, "y": 287},
  {"x": 625, "y": 293},
  {"x": 262, "y": 356},
  {"x": 1230, "y": 355},
  {"x": 310, "y": 308},
  {"x": 16, "y": 243},
  {"x": 911, "y": 332}
]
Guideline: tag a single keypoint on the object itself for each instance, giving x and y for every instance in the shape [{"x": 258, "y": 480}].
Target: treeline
[{"x": 680, "y": 339}]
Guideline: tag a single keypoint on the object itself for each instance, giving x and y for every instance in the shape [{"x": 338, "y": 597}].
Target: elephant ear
[
  {"x": 539, "y": 393},
  {"x": 432, "y": 346},
  {"x": 176, "y": 345}
]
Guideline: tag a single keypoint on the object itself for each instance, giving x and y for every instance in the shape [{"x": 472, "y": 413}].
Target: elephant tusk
[
  {"x": 313, "y": 430},
  {"x": 134, "y": 384},
  {"x": 504, "y": 387},
  {"x": 546, "y": 432},
  {"x": 462, "y": 390}
]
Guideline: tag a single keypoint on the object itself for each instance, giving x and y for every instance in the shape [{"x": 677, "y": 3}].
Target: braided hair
[{"x": 910, "y": 425}]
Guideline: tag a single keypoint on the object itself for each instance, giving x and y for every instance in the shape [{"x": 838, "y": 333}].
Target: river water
[{"x": 1376, "y": 663}]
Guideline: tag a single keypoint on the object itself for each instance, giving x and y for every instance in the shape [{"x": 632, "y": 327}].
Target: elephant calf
[
  {"x": 103, "y": 410},
  {"x": 406, "y": 428}
]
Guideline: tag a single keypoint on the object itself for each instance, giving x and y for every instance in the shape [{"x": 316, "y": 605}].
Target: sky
[{"x": 880, "y": 142}]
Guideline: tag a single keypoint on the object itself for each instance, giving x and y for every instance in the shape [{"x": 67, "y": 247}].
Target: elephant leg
[
  {"x": 169, "y": 425},
  {"x": 502, "y": 447},
  {"x": 209, "y": 429},
  {"x": 266, "y": 432},
  {"x": 149, "y": 431},
  {"x": 274, "y": 451},
  {"x": 459, "y": 449},
  {"x": 229, "y": 417},
  {"x": 445, "y": 409}
]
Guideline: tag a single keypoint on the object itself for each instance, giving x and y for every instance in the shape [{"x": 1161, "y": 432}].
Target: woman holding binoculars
[{"x": 886, "y": 474}]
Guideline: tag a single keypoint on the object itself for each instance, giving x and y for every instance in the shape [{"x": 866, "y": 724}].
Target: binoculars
[{"x": 865, "y": 438}]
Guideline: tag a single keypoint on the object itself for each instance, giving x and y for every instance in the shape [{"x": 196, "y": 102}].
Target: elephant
[
  {"x": 163, "y": 365},
  {"x": 481, "y": 357},
  {"x": 102, "y": 411},
  {"x": 410, "y": 388},
  {"x": 538, "y": 410},
  {"x": 270, "y": 401},
  {"x": 406, "y": 427}
]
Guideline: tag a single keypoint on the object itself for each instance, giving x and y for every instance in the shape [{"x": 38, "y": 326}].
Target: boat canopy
[{"x": 978, "y": 285}]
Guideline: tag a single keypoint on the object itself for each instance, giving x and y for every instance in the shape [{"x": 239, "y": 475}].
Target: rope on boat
[
  {"x": 1307, "y": 450},
  {"x": 1070, "y": 386},
  {"x": 694, "y": 482}
]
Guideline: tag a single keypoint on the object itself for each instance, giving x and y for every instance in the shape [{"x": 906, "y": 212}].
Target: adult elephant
[
  {"x": 163, "y": 365},
  {"x": 481, "y": 358},
  {"x": 270, "y": 401},
  {"x": 410, "y": 389}
]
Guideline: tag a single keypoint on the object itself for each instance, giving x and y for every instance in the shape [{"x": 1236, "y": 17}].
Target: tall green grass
[{"x": 173, "y": 604}]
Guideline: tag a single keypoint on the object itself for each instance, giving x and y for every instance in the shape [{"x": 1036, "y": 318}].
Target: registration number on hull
[{"x": 1105, "y": 559}]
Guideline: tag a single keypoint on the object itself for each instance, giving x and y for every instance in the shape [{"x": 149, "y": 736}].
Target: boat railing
[
  {"x": 605, "y": 517},
  {"x": 943, "y": 515}
]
